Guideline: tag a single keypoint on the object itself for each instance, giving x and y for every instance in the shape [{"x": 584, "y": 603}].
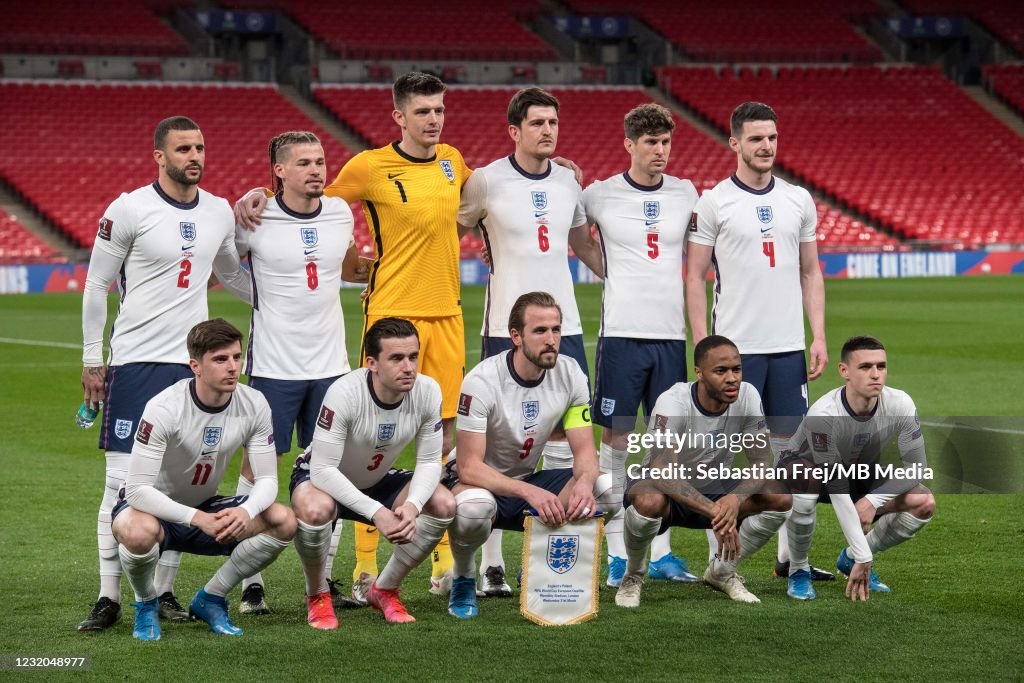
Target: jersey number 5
[
  {"x": 652, "y": 245},
  {"x": 769, "y": 250}
]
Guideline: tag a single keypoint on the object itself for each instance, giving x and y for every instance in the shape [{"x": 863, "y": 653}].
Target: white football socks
[
  {"x": 408, "y": 556},
  {"x": 140, "y": 569}
]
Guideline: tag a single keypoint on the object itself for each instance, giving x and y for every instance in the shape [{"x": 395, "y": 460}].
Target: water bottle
[{"x": 87, "y": 412}]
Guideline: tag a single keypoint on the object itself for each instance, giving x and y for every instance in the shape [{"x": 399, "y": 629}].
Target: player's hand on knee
[
  {"x": 548, "y": 506},
  {"x": 250, "y": 207},
  {"x": 389, "y": 524},
  {"x": 93, "y": 379},
  {"x": 207, "y": 523},
  {"x": 725, "y": 513},
  {"x": 234, "y": 522},
  {"x": 728, "y": 546},
  {"x": 407, "y": 514},
  {"x": 860, "y": 578},
  {"x": 581, "y": 502}
]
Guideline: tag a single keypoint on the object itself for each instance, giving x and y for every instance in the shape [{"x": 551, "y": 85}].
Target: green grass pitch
[{"x": 955, "y": 611}]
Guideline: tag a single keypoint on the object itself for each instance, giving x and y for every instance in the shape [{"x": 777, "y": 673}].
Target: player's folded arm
[{"x": 324, "y": 474}]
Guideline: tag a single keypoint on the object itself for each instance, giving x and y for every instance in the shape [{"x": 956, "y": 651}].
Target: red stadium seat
[{"x": 18, "y": 245}]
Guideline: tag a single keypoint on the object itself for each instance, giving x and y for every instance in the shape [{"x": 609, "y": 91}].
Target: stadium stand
[
  {"x": 591, "y": 135},
  {"x": 738, "y": 30},
  {"x": 70, "y": 148},
  {"x": 1007, "y": 81},
  {"x": 112, "y": 27},
  {"x": 18, "y": 245},
  {"x": 456, "y": 30},
  {"x": 902, "y": 145},
  {"x": 1003, "y": 18}
]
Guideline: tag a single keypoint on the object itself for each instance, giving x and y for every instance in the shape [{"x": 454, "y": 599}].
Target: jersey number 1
[
  {"x": 769, "y": 250},
  {"x": 202, "y": 474}
]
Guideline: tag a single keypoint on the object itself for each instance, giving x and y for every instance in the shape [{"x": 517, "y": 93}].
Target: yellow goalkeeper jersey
[{"x": 411, "y": 207}]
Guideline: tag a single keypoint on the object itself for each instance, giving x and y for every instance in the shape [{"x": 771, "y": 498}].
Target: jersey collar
[
  {"x": 202, "y": 406},
  {"x": 700, "y": 408},
  {"x": 174, "y": 202},
  {"x": 643, "y": 188},
  {"x": 408, "y": 157},
  {"x": 373, "y": 394},
  {"x": 850, "y": 411},
  {"x": 532, "y": 176},
  {"x": 747, "y": 188},
  {"x": 297, "y": 214},
  {"x": 529, "y": 384}
]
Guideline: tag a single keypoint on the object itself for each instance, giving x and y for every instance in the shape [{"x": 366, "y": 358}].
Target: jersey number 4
[{"x": 769, "y": 250}]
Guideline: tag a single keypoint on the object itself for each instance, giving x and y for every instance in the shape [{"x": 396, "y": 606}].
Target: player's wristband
[{"x": 576, "y": 416}]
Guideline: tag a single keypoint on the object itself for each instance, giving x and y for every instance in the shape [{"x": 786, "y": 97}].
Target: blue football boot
[
  {"x": 147, "y": 620},
  {"x": 214, "y": 611},
  {"x": 671, "y": 568},
  {"x": 462, "y": 600},
  {"x": 844, "y": 563}
]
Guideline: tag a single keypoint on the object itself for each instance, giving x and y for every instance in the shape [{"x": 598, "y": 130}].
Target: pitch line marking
[{"x": 39, "y": 342}]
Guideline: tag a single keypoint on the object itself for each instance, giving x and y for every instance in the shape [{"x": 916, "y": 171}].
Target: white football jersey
[
  {"x": 168, "y": 250},
  {"x": 525, "y": 220},
  {"x": 832, "y": 433},
  {"x": 756, "y": 235},
  {"x": 704, "y": 436},
  {"x": 363, "y": 437},
  {"x": 297, "y": 329},
  {"x": 518, "y": 416},
  {"x": 193, "y": 443},
  {"x": 643, "y": 234}
]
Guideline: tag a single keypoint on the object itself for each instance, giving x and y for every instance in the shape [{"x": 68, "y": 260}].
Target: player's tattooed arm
[
  {"x": 93, "y": 379},
  {"x": 355, "y": 268}
]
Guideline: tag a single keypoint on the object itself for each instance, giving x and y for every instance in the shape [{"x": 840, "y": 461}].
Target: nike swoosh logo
[
  {"x": 650, "y": 223},
  {"x": 307, "y": 252},
  {"x": 764, "y": 230},
  {"x": 208, "y": 452},
  {"x": 392, "y": 176},
  {"x": 539, "y": 214},
  {"x": 529, "y": 427},
  {"x": 187, "y": 247}
]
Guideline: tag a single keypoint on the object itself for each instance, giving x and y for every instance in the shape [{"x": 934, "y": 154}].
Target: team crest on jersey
[
  {"x": 563, "y": 551},
  {"x": 531, "y": 409},
  {"x": 188, "y": 231},
  {"x": 211, "y": 437},
  {"x": 309, "y": 236},
  {"x": 652, "y": 210},
  {"x": 385, "y": 432},
  {"x": 123, "y": 429},
  {"x": 446, "y": 166},
  {"x": 607, "y": 406},
  {"x": 540, "y": 200},
  {"x": 764, "y": 214}
]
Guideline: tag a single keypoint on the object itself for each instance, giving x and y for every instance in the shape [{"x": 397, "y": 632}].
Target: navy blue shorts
[
  {"x": 781, "y": 379},
  {"x": 571, "y": 345},
  {"x": 293, "y": 402},
  {"x": 384, "y": 491},
  {"x": 679, "y": 514},
  {"x": 511, "y": 510},
  {"x": 192, "y": 540},
  {"x": 631, "y": 372},
  {"x": 127, "y": 391}
]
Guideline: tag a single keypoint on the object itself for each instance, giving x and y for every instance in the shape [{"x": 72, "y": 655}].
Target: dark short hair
[
  {"x": 521, "y": 102},
  {"x": 648, "y": 119},
  {"x": 517, "y": 316},
  {"x": 169, "y": 124},
  {"x": 708, "y": 344},
  {"x": 387, "y": 328},
  {"x": 860, "y": 343},
  {"x": 211, "y": 335},
  {"x": 279, "y": 143},
  {"x": 750, "y": 111},
  {"x": 415, "y": 83}
]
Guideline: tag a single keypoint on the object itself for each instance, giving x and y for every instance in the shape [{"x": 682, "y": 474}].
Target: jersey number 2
[
  {"x": 769, "y": 250},
  {"x": 186, "y": 270}
]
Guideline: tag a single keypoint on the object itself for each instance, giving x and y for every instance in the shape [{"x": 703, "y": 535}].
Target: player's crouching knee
[
  {"x": 474, "y": 513},
  {"x": 777, "y": 502},
  {"x": 921, "y": 504},
  {"x": 609, "y": 501},
  {"x": 136, "y": 531},
  {"x": 441, "y": 504},
  {"x": 313, "y": 506},
  {"x": 280, "y": 522}
]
